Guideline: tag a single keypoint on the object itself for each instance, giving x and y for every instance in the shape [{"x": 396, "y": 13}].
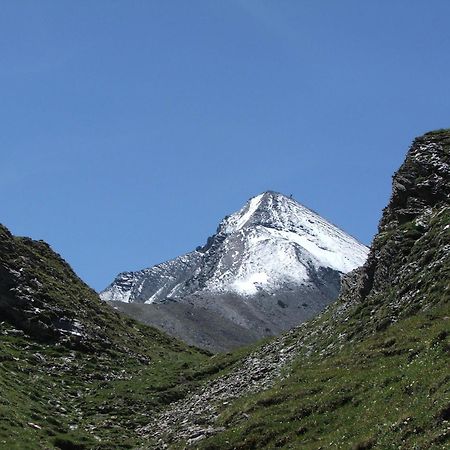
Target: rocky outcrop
[
  {"x": 24, "y": 301},
  {"x": 401, "y": 251},
  {"x": 421, "y": 182}
]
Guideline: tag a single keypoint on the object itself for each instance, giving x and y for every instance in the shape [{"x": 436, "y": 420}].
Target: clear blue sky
[{"x": 128, "y": 129}]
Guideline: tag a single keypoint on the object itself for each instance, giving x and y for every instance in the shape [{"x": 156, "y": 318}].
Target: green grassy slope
[
  {"x": 391, "y": 390},
  {"x": 83, "y": 382}
]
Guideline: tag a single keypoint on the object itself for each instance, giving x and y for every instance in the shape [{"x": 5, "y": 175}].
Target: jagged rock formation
[
  {"x": 41, "y": 296},
  {"x": 270, "y": 266},
  {"x": 403, "y": 285},
  {"x": 420, "y": 198}
]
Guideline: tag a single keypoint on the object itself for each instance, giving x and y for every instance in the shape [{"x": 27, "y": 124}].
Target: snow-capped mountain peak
[
  {"x": 242, "y": 217},
  {"x": 287, "y": 220},
  {"x": 271, "y": 243},
  {"x": 270, "y": 266}
]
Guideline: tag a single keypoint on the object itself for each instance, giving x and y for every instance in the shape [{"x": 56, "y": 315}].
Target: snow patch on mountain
[
  {"x": 248, "y": 286},
  {"x": 238, "y": 220}
]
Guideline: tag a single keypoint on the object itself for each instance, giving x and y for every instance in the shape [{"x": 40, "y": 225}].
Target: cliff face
[
  {"x": 421, "y": 183},
  {"x": 407, "y": 267}
]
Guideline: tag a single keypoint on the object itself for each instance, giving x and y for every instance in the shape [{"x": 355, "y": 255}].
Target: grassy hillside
[
  {"x": 73, "y": 372},
  {"x": 391, "y": 390}
]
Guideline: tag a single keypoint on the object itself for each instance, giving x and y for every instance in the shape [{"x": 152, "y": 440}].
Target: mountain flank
[{"x": 74, "y": 373}]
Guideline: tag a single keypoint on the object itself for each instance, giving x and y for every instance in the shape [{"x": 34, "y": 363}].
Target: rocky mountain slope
[
  {"x": 369, "y": 372},
  {"x": 73, "y": 370},
  {"x": 270, "y": 266}
]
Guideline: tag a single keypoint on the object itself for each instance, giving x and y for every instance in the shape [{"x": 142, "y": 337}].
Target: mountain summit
[{"x": 269, "y": 266}]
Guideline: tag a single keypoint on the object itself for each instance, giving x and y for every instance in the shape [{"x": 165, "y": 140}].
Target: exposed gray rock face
[
  {"x": 155, "y": 284},
  {"x": 420, "y": 196},
  {"x": 270, "y": 266}
]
